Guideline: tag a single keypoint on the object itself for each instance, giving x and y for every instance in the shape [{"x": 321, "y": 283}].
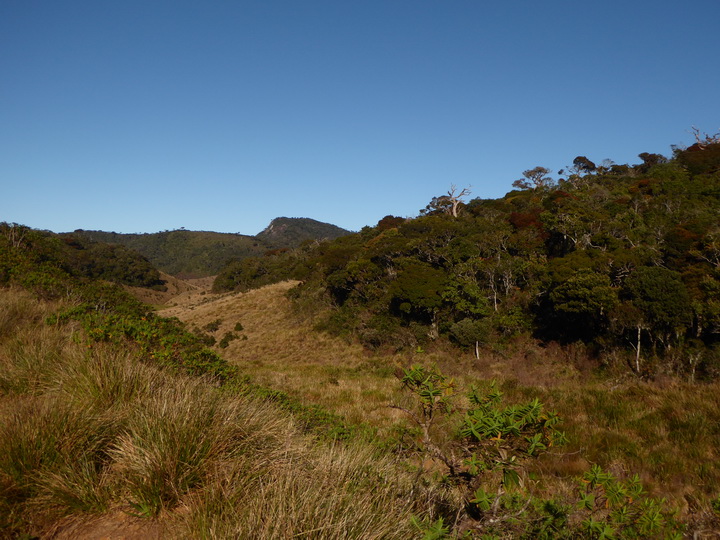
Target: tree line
[{"x": 622, "y": 258}]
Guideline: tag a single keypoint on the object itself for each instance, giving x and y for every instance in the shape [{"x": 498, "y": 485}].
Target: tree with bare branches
[
  {"x": 448, "y": 204},
  {"x": 704, "y": 139},
  {"x": 455, "y": 198}
]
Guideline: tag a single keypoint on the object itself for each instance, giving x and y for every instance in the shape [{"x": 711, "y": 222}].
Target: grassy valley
[
  {"x": 543, "y": 365},
  {"x": 664, "y": 432},
  {"x": 117, "y": 421}
]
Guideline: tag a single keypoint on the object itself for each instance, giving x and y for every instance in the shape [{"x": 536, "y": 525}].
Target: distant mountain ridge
[{"x": 188, "y": 254}]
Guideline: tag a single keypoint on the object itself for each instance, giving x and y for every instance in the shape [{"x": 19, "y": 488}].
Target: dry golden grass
[
  {"x": 174, "y": 286},
  {"x": 86, "y": 433},
  {"x": 278, "y": 349},
  {"x": 283, "y": 352},
  {"x": 669, "y": 435}
]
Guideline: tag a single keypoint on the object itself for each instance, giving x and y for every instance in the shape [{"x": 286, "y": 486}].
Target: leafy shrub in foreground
[
  {"x": 617, "y": 509},
  {"x": 488, "y": 464}
]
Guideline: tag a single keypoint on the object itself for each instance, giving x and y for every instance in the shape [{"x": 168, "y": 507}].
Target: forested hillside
[
  {"x": 74, "y": 255},
  {"x": 202, "y": 253},
  {"x": 184, "y": 253},
  {"x": 287, "y": 233},
  {"x": 624, "y": 259}
]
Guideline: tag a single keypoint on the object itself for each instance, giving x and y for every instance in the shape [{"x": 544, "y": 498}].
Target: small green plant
[
  {"x": 434, "y": 392},
  {"x": 213, "y": 326},
  {"x": 227, "y": 338},
  {"x": 621, "y": 509},
  {"x": 143, "y": 509},
  {"x": 431, "y": 530},
  {"x": 494, "y": 441},
  {"x": 715, "y": 504},
  {"x": 238, "y": 327},
  {"x": 500, "y": 437}
]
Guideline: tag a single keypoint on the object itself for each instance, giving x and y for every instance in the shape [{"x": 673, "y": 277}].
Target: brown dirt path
[{"x": 117, "y": 525}]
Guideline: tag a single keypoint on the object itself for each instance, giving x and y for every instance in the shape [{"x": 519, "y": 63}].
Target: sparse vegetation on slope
[{"x": 288, "y": 233}]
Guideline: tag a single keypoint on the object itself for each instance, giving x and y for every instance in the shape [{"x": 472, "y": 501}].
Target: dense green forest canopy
[
  {"x": 622, "y": 258},
  {"x": 74, "y": 255}
]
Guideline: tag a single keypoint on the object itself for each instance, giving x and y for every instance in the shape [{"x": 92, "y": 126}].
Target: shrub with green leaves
[
  {"x": 621, "y": 509},
  {"x": 493, "y": 435},
  {"x": 489, "y": 460},
  {"x": 213, "y": 326},
  {"x": 160, "y": 340},
  {"x": 226, "y": 339},
  {"x": 500, "y": 437},
  {"x": 494, "y": 440}
]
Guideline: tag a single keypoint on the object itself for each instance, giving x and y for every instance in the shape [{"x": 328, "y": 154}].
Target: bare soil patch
[{"x": 117, "y": 525}]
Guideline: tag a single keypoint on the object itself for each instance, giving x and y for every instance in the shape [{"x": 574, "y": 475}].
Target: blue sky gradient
[{"x": 141, "y": 116}]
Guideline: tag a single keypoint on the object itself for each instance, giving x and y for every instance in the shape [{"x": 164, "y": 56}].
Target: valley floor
[
  {"x": 662, "y": 431},
  {"x": 278, "y": 348},
  {"x": 667, "y": 434}
]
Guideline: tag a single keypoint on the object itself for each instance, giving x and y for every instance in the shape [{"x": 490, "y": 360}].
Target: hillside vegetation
[
  {"x": 46, "y": 254},
  {"x": 621, "y": 260},
  {"x": 196, "y": 254},
  {"x": 287, "y": 233},
  {"x": 107, "y": 410},
  {"x": 666, "y": 432}
]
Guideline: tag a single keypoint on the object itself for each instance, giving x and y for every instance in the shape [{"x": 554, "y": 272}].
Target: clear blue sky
[{"x": 147, "y": 115}]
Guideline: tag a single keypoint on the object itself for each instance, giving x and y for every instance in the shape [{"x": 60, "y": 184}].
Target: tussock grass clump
[
  {"x": 29, "y": 361},
  {"x": 28, "y": 357},
  {"x": 105, "y": 378},
  {"x": 171, "y": 440},
  {"x": 18, "y": 308},
  {"x": 346, "y": 492},
  {"x": 89, "y": 428},
  {"x": 53, "y": 457}
]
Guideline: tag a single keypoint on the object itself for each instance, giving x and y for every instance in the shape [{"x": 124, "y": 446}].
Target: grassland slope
[{"x": 667, "y": 433}]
